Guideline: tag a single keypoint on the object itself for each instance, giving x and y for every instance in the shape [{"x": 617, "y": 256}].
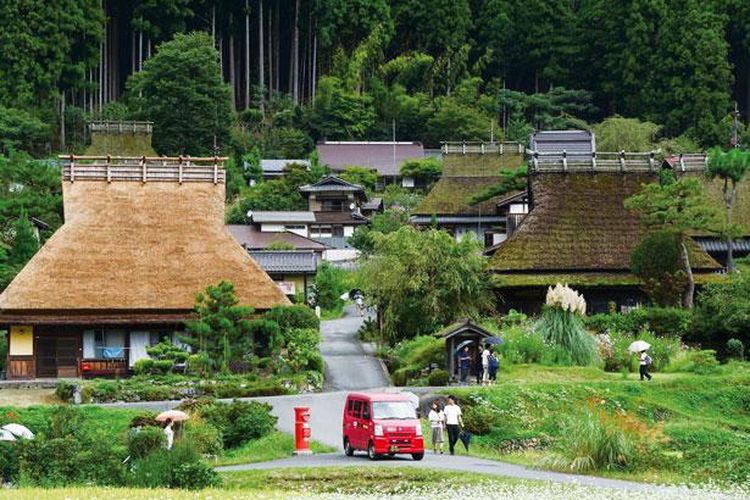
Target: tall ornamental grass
[{"x": 562, "y": 328}]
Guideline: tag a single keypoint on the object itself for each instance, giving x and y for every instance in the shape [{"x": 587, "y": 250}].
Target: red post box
[{"x": 302, "y": 430}]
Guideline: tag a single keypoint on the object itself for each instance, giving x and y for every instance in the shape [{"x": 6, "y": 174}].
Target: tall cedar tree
[
  {"x": 184, "y": 94},
  {"x": 25, "y": 243}
]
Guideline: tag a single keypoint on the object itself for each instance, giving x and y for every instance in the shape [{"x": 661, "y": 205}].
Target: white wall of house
[
  {"x": 407, "y": 182},
  {"x": 348, "y": 231},
  {"x": 518, "y": 208},
  {"x": 339, "y": 255},
  {"x": 272, "y": 228},
  {"x": 498, "y": 238},
  {"x": 299, "y": 229}
]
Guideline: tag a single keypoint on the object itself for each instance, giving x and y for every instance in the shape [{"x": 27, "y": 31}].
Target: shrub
[
  {"x": 297, "y": 316},
  {"x": 162, "y": 366},
  {"x": 64, "y": 390},
  {"x": 329, "y": 286},
  {"x": 522, "y": 345},
  {"x": 302, "y": 351},
  {"x": 662, "y": 321},
  {"x": 438, "y": 378},
  {"x": 704, "y": 362},
  {"x": 180, "y": 467},
  {"x": 479, "y": 419},
  {"x": 167, "y": 350},
  {"x": 735, "y": 349},
  {"x": 205, "y": 437},
  {"x": 146, "y": 440},
  {"x": 240, "y": 421},
  {"x": 401, "y": 376},
  {"x": 195, "y": 476},
  {"x": 592, "y": 441},
  {"x": 143, "y": 366}
]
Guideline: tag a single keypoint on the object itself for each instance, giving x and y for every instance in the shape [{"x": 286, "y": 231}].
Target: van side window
[
  {"x": 366, "y": 411},
  {"x": 357, "y": 409},
  {"x": 350, "y": 407}
]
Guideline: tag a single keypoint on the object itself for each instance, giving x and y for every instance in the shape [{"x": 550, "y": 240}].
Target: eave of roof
[{"x": 584, "y": 279}]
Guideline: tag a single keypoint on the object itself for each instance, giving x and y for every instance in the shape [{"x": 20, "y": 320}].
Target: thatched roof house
[
  {"x": 578, "y": 232},
  {"x": 465, "y": 176},
  {"x": 142, "y": 236}
]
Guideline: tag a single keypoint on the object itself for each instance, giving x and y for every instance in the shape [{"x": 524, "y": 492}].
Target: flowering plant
[{"x": 565, "y": 298}]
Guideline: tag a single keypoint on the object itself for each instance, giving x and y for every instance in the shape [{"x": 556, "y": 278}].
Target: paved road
[
  {"x": 348, "y": 365},
  {"x": 448, "y": 463}
]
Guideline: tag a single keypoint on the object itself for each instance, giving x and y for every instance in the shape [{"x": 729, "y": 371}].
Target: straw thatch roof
[
  {"x": 578, "y": 226},
  {"x": 465, "y": 176},
  {"x": 138, "y": 247},
  {"x": 120, "y": 138}
]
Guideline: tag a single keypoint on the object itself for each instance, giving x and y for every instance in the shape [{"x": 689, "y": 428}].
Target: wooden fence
[
  {"x": 481, "y": 148},
  {"x": 143, "y": 168},
  {"x": 120, "y": 127},
  {"x": 540, "y": 162}
]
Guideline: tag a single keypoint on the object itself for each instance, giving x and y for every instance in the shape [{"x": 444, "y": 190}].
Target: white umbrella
[
  {"x": 6, "y": 435},
  {"x": 638, "y": 346},
  {"x": 344, "y": 296},
  {"x": 173, "y": 415},
  {"x": 19, "y": 430}
]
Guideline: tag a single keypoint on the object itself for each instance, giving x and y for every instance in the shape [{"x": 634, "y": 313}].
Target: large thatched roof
[
  {"x": 578, "y": 225},
  {"x": 140, "y": 247},
  {"x": 465, "y": 176}
]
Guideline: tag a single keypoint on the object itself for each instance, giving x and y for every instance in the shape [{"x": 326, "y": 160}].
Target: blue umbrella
[
  {"x": 462, "y": 345},
  {"x": 493, "y": 340}
]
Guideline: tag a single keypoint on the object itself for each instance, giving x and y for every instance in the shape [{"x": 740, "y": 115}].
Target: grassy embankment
[{"x": 695, "y": 428}]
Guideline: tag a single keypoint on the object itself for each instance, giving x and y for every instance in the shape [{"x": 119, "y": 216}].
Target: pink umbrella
[{"x": 173, "y": 415}]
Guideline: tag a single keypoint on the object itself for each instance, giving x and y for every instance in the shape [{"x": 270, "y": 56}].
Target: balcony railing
[
  {"x": 481, "y": 148},
  {"x": 143, "y": 168}
]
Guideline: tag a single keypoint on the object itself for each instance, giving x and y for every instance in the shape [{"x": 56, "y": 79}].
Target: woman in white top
[
  {"x": 453, "y": 423},
  {"x": 169, "y": 434},
  {"x": 436, "y": 417}
]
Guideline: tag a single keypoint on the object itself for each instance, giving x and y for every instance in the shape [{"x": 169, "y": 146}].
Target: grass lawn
[
  {"x": 271, "y": 447},
  {"x": 698, "y": 425}
]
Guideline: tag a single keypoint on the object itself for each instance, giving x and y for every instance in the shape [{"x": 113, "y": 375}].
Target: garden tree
[
  {"x": 392, "y": 219},
  {"x": 559, "y": 108},
  {"x": 730, "y": 168},
  {"x": 363, "y": 176},
  {"x": 723, "y": 312},
  {"x": 690, "y": 94},
  {"x": 183, "y": 93},
  {"x": 25, "y": 244},
  {"x": 678, "y": 206},
  {"x": 510, "y": 180},
  {"x": 657, "y": 260},
  {"x": 32, "y": 186},
  {"x": 329, "y": 287},
  {"x": 338, "y": 113},
  {"x": 427, "y": 169},
  {"x": 223, "y": 330},
  {"x": 419, "y": 280},
  {"x": 455, "y": 121},
  {"x": 625, "y": 134}
]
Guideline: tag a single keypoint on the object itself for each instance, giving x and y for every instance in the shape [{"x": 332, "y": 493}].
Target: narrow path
[{"x": 348, "y": 366}]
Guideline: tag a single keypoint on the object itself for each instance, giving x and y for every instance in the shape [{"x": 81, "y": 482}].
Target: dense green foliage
[
  {"x": 657, "y": 261},
  {"x": 181, "y": 90},
  {"x": 420, "y": 280},
  {"x": 566, "y": 338},
  {"x": 329, "y": 286},
  {"x": 723, "y": 312}
]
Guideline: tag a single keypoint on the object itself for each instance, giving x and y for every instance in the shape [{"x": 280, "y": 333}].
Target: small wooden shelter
[
  {"x": 142, "y": 236},
  {"x": 454, "y": 335}
]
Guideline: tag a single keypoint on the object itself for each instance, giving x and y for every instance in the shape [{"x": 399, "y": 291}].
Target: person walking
[
  {"x": 645, "y": 364},
  {"x": 453, "y": 423},
  {"x": 486, "y": 365},
  {"x": 169, "y": 433},
  {"x": 436, "y": 417},
  {"x": 464, "y": 364}
]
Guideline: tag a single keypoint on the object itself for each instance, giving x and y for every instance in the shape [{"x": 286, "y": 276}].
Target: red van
[{"x": 382, "y": 424}]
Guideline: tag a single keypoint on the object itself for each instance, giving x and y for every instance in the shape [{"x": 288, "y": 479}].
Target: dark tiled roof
[
  {"x": 719, "y": 245},
  {"x": 375, "y": 155},
  {"x": 337, "y": 242},
  {"x": 332, "y": 183},
  {"x": 373, "y": 204},
  {"x": 462, "y": 326},
  {"x": 457, "y": 219},
  {"x": 252, "y": 239},
  {"x": 276, "y": 167},
  {"x": 579, "y": 224},
  {"x": 281, "y": 216},
  {"x": 339, "y": 218},
  {"x": 286, "y": 261}
]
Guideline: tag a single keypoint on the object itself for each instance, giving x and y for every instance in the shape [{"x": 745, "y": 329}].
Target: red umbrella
[{"x": 173, "y": 415}]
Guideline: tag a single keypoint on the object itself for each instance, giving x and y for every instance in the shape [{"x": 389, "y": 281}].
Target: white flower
[{"x": 565, "y": 298}]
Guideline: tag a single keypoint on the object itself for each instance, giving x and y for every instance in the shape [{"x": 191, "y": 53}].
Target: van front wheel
[
  {"x": 348, "y": 450},
  {"x": 417, "y": 456},
  {"x": 371, "y": 451}
]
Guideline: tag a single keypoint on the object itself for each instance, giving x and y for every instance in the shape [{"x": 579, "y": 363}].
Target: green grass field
[
  {"x": 698, "y": 426},
  {"x": 272, "y": 447}
]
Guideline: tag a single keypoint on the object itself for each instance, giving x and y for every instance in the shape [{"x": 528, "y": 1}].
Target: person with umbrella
[
  {"x": 486, "y": 353},
  {"x": 169, "y": 418},
  {"x": 464, "y": 364},
  {"x": 639, "y": 346}
]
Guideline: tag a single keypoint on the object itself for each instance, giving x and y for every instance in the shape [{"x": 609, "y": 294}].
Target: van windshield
[{"x": 398, "y": 410}]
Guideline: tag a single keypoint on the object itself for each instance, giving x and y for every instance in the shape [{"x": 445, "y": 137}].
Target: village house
[
  {"x": 142, "y": 236},
  {"x": 579, "y": 233},
  {"x": 273, "y": 169},
  {"x": 469, "y": 169},
  {"x": 383, "y": 157}
]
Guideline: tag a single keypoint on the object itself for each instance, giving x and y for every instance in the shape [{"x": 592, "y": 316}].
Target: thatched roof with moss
[
  {"x": 137, "y": 246},
  {"x": 578, "y": 224},
  {"x": 120, "y": 138},
  {"x": 465, "y": 176}
]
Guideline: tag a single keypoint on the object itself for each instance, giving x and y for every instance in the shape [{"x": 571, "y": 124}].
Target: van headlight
[
  {"x": 418, "y": 430},
  {"x": 378, "y": 430}
]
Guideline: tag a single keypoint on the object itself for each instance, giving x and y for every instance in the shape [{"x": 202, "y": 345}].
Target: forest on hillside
[{"x": 427, "y": 70}]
